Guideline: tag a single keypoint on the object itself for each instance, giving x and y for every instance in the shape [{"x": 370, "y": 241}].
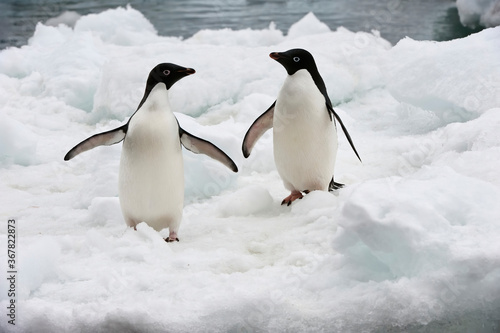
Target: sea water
[{"x": 395, "y": 19}]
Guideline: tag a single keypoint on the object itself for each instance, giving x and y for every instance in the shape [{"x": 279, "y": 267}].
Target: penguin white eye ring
[
  {"x": 166, "y": 72},
  {"x": 296, "y": 59}
]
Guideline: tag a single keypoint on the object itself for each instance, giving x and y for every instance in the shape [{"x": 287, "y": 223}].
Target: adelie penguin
[
  {"x": 304, "y": 128},
  {"x": 151, "y": 177}
]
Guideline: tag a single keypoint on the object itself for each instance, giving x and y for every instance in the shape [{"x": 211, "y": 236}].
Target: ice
[
  {"x": 447, "y": 61},
  {"x": 250, "y": 200},
  {"x": 479, "y": 12},
  {"x": 68, "y": 18},
  {"x": 17, "y": 142},
  {"x": 308, "y": 25},
  {"x": 410, "y": 244},
  {"x": 247, "y": 37},
  {"x": 404, "y": 237},
  {"x": 38, "y": 262},
  {"x": 103, "y": 211},
  {"x": 121, "y": 26}
]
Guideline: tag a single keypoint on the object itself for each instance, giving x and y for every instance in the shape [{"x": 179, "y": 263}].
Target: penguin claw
[
  {"x": 287, "y": 202},
  {"x": 171, "y": 240},
  {"x": 292, "y": 197},
  {"x": 172, "y": 237}
]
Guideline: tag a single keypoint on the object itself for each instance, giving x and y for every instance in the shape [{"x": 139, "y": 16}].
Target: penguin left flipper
[
  {"x": 344, "y": 129},
  {"x": 102, "y": 139},
  {"x": 198, "y": 145},
  {"x": 258, "y": 128}
]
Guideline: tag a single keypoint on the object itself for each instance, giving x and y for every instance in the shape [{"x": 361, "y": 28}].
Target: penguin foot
[
  {"x": 292, "y": 197},
  {"x": 171, "y": 240},
  {"x": 172, "y": 237}
]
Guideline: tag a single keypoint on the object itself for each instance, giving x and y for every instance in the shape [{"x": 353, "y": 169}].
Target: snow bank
[
  {"x": 479, "y": 12},
  {"x": 68, "y": 18},
  {"x": 121, "y": 26},
  {"x": 410, "y": 244},
  {"x": 308, "y": 25},
  {"x": 17, "y": 142}
]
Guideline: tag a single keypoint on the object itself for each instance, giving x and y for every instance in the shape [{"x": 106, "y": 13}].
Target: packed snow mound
[
  {"x": 247, "y": 37},
  {"x": 68, "y": 18},
  {"x": 308, "y": 25},
  {"x": 479, "y": 12},
  {"x": 121, "y": 26},
  {"x": 410, "y": 244},
  {"x": 17, "y": 142}
]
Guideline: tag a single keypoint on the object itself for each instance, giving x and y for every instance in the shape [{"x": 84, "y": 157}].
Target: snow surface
[
  {"x": 479, "y": 12},
  {"x": 411, "y": 243},
  {"x": 68, "y": 18}
]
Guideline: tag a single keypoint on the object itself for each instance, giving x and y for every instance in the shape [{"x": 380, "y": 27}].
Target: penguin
[
  {"x": 151, "y": 175},
  {"x": 304, "y": 128}
]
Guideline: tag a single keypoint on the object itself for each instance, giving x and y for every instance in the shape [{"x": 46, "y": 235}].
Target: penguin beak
[
  {"x": 187, "y": 71},
  {"x": 276, "y": 55}
]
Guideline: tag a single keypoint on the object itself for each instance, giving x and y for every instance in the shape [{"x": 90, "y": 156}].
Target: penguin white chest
[
  {"x": 151, "y": 179},
  {"x": 304, "y": 137}
]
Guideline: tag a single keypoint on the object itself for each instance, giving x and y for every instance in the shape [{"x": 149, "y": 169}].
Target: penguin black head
[
  {"x": 168, "y": 73},
  {"x": 164, "y": 73},
  {"x": 294, "y": 60}
]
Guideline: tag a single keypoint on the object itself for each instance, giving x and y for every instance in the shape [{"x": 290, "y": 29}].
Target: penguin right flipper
[
  {"x": 102, "y": 139},
  {"x": 198, "y": 145},
  {"x": 258, "y": 128}
]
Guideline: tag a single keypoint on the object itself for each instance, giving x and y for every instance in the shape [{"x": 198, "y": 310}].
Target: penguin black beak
[
  {"x": 275, "y": 55},
  {"x": 187, "y": 71}
]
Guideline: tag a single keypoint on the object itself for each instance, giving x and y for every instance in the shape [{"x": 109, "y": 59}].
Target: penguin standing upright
[
  {"x": 151, "y": 177},
  {"x": 304, "y": 130}
]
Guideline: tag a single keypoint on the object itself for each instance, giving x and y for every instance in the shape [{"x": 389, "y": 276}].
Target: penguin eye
[
  {"x": 166, "y": 72},
  {"x": 296, "y": 59}
]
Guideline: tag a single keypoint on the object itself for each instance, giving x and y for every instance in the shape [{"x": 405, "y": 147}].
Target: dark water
[{"x": 395, "y": 19}]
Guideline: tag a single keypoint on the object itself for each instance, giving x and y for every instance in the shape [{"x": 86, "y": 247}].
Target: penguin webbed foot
[
  {"x": 172, "y": 237},
  {"x": 292, "y": 197}
]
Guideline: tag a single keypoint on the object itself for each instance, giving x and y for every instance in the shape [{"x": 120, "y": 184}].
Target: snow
[
  {"x": 410, "y": 244},
  {"x": 68, "y": 18},
  {"x": 479, "y": 12}
]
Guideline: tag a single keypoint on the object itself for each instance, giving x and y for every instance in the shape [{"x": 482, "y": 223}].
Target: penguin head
[
  {"x": 294, "y": 60},
  {"x": 168, "y": 73}
]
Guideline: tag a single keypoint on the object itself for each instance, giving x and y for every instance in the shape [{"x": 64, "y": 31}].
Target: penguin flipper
[
  {"x": 198, "y": 145},
  {"x": 258, "y": 128},
  {"x": 344, "y": 129},
  {"x": 102, "y": 139}
]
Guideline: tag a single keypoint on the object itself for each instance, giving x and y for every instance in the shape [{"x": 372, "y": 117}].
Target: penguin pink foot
[
  {"x": 172, "y": 237},
  {"x": 292, "y": 197}
]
